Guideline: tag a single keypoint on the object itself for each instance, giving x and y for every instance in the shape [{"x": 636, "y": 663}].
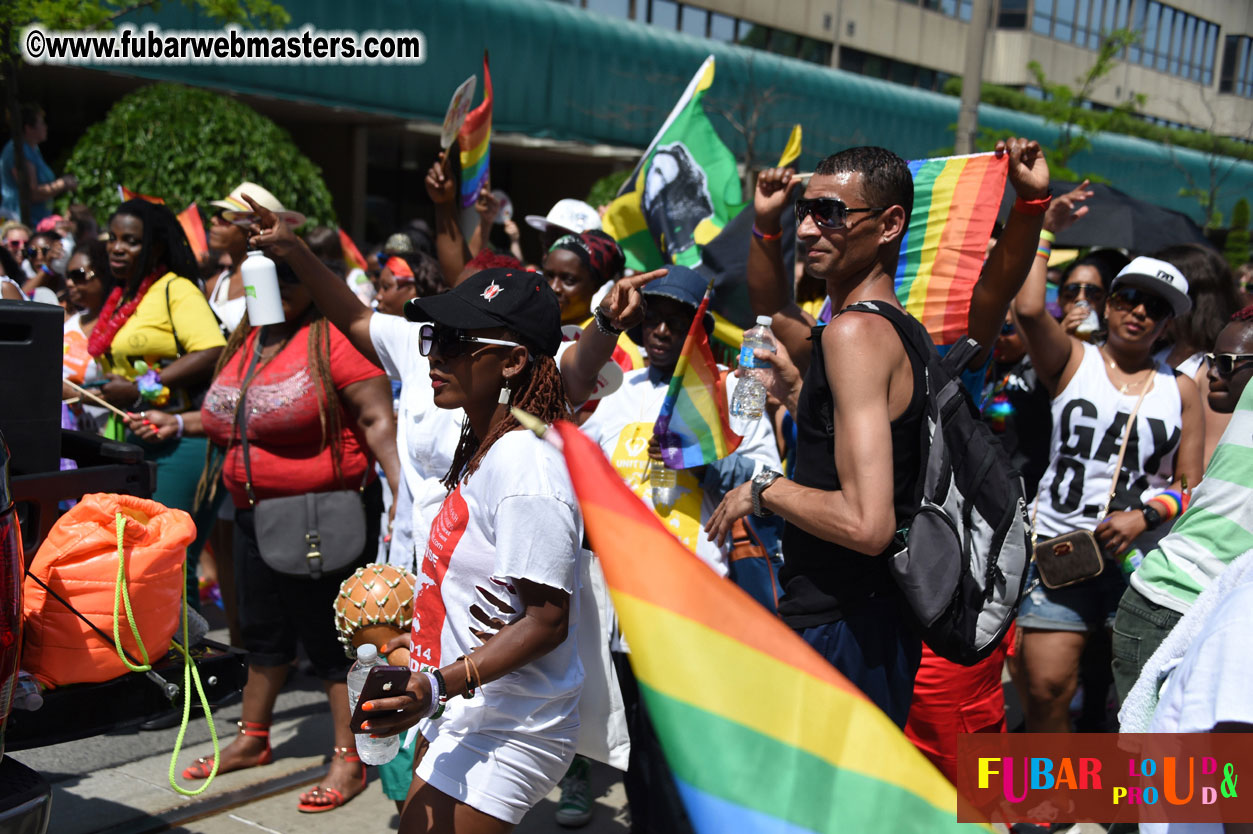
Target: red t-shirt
[{"x": 284, "y": 430}]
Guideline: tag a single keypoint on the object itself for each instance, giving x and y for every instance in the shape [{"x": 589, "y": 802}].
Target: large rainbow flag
[
  {"x": 475, "y": 139},
  {"x": 956, "y": 199},
  {"x": 693, "y": 427},
  {"x": 762, "y": 733}
]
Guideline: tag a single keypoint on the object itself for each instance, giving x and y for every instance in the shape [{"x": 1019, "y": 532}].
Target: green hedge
[{"x": 190, "y": 145}]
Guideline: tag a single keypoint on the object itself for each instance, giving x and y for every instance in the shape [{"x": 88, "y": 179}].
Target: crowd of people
[{"x": 394, "y": 386}]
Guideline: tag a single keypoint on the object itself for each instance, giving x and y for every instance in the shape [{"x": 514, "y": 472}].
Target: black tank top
[{"x": 822, "y": 580}]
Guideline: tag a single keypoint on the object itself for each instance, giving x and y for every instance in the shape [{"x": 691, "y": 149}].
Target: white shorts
[{"x": 504, "y": 776}]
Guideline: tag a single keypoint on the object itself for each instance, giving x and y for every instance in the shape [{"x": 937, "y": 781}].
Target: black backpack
[{"x": 961, "y": 562}]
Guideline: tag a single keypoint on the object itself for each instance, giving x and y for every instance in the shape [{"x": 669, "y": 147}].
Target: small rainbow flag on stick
[
  {"x": 124, "y": 194},
  {"x": 475, "y": 140},
  {"x": 694, "y": 427},
  {"x": 352, "y": 255},
  {"x": 193, "y": 226},
  {"x": 956, "y": 199},
  {"x": 808, "y": 753}
]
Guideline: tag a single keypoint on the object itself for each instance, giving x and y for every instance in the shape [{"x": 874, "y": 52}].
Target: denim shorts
[{"x": 1086, "y": 606}]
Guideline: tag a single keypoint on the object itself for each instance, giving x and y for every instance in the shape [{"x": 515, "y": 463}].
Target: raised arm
[
  {"x": 770, "y": 290},
  {"x": 582, "y": 361},
  {"x": 450, "y": 243},
  {"x": 337, "y": 302},
  {"x": 1007, "y": 265}
]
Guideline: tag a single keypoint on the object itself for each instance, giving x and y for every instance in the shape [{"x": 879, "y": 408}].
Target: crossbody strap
[{"x": 242, "y": 415}]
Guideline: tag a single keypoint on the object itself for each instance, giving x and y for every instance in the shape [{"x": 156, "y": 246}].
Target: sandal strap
[
  {"x": 348, "y": 754},
  {"x": 253, "y": 728}
]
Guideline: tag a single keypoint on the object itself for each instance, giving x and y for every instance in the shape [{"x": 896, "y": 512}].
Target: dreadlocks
[
  {"x": 329, "y": 408},
  {"x": 537, "y": 390}
]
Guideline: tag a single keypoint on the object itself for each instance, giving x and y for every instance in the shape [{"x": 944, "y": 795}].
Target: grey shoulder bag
[{"x": 303, "y": 535}]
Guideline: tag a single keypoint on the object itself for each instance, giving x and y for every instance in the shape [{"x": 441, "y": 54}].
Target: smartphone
[{"x": 382, "y": 682}]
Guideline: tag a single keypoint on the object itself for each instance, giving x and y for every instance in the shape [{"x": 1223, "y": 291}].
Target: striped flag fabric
[
  {"x": 124, "y": 194},
  {"x": 193, "y": 226},
  {"x": 956, "y": 200},
  {"x": 761, "y": 732},
  {"x": 694, "y": 426},
  {"x": 475, "y": 140},
  {"x": 352, "y": 255}
]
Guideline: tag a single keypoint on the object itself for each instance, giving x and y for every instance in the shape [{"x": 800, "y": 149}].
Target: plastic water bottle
[
  {"x": 756, "y": 375},
  {"x": 1089, "y": 325},
  {"x": 261, "y": 296},
  {"x": 664, "y": 483},
  {"x": 373, "y": 751},
  {"x": 1130, "y": 561}
]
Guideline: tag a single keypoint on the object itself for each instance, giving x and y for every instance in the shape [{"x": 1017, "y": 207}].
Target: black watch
[{"x": 1152, "y": 518}]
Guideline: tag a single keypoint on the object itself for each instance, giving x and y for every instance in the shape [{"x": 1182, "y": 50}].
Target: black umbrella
[{"x": 1119, "y": 220}]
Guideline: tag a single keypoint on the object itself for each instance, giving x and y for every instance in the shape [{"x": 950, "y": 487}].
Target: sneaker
[{"x": 575, "y": 808}]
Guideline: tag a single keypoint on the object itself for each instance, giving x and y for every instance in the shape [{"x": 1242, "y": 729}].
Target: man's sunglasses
[
  {"x": 1226, "y": 363},
  {"x": 80, "y": 276},
  {"x": 1071, "y": 292},
  {"x": 828, "y": 212},
  {"x": 451, "y": 342},
  {"x": 1129, "y": 298}
]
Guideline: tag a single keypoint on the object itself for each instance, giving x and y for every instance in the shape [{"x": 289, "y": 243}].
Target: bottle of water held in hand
[
  {"x": 664, "y": 483},
  {"x": 756, "y": 374},
  {"x": 373, "y": 751}
]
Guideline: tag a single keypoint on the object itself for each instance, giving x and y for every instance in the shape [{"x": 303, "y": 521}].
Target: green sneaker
[{"x": 575, "y": 808}]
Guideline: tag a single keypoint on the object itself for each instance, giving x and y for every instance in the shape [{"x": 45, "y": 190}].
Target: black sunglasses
[
  {"x": 450, "y": 342},
  {"x": 32, "y": 251},
  {"x": 1008, "y": 329},
  {"x": 1070, "y": 292},
  {"x": 1226, "y": 363},
  {"x": 1129, "y": 298},
  {"x": 80, "y": 276},
  {"x": 828, "y": 212}
]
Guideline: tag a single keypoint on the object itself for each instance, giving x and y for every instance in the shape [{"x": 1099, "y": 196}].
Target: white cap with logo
[
  {"x": 568, "y": 217},
  {"x": 1158, "y": 277}
]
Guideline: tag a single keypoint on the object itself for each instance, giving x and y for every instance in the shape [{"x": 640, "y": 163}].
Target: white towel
[{"x": 1137, "y": 711}]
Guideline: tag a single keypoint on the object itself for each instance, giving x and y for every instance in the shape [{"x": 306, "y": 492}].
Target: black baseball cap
[{"x": 512, "y": 298}]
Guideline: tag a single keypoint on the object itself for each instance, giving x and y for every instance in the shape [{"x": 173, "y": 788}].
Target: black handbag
[
  {"x": 303, "y": 535},
  {"x": 1076, "y": 556}
]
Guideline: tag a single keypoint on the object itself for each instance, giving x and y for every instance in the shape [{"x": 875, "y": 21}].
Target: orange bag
[{"x": 78, "y": 562}]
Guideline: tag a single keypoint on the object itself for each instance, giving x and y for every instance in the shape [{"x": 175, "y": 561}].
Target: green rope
[
  {"x": 121, "y": 595},
  {"x": 190, "y": 674}
]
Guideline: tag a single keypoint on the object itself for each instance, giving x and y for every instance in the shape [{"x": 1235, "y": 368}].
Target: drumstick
[
  {"x": 803, "y": 177},
  {"x": 83, "y": 392}
]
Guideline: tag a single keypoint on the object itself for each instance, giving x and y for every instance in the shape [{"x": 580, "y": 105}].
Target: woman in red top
[{"x": 318, "y": 413}]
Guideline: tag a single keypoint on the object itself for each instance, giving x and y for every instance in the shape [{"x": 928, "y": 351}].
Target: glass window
[
  {"x": 694, "y": 22},
  {"x": 1081, "y": 22},
  {"x": 664, "y": 13},
  {"x": 1164, "y": 27},
  {"x": 1012, "y": 15},
  {"x": 753, "y": 35},
  {"x": 964, "y": 10},
  {"x": 1207, "y": 56},
  {"x": 1226, "y": 80},
  {"x": 1186, "y": 46},
  {"x": 903, "y": 73},
  {"x": 784, "y": 43},
  {"x": 613, "y": 8},
  {"x": 1042, "y": 17},
  {"x": 721, "y": 27},
  {"x": 814, "y": 51}
]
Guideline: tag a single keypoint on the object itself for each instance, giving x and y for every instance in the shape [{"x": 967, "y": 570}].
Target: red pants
[{"x": 951, "y": 699}]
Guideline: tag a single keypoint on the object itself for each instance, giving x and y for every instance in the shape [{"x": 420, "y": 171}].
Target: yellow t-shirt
[{"x": 173, "y": 305}]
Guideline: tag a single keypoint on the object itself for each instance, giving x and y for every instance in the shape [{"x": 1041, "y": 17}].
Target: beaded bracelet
[
  {"x": 760, "y": 235},
  {"x": 604, "y": 325},
  {"x": 443, "y": 694},
  {"x": 1033, "y": 206}
]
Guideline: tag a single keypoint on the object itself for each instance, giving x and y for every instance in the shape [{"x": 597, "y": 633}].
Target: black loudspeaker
[{"x": 30, "y": 384}]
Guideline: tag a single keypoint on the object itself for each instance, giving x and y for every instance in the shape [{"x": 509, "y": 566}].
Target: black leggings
[{"x": 277, "y": 611}]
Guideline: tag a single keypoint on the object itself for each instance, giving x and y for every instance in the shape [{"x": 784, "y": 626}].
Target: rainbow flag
[
  {"x": 352, "y": 255},
  {"x": 475, "y": 139},
  {"x": 956, "y": 199},
  {"x": 694, "y": 427},
  {"x": 193, "y": 226},
  {"x": 808, "y": 753},
  {"x": 124, "y": 194}
]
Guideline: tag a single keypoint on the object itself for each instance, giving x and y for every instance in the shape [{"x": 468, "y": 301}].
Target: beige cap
[{"x": 238, "y": 210}]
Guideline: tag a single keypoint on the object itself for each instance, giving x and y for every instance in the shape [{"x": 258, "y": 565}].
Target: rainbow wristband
[
  {"x": 1168, "y": 504},
  {"x": 1044, "y": 250}
]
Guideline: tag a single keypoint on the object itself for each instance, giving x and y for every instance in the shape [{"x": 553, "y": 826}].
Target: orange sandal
[
  {"x": 204, "y": 765},
  {"x": 308, "y": 799}
]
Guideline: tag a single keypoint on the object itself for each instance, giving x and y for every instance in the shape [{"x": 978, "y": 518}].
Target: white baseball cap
[
  {"x": 1158, "y": 277},
  {"x": 568, "y": 217}
]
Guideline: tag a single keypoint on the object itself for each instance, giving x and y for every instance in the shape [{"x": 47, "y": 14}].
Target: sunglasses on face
[
  {"x": 828, "y": 212},
  {"x": 1071, "y": 292},
  {"x": 15, "y": 245},
  {"x": 1008, "y": 329},
  {"x": 1226, "y": 363},
  {"x": 1127, "y": 299},
  {"x": 37, "y": 251},
  {"x": 80, "y": 276},
  {"x": 451, "y": 343}
]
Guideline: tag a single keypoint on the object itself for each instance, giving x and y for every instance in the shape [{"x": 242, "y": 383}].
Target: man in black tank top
[{"x": 859, "y": 417}]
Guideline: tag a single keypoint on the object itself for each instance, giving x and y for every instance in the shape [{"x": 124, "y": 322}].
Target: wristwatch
[
  {"x": 1152, "y": 518},
  {"x": 761, "y": 480}
]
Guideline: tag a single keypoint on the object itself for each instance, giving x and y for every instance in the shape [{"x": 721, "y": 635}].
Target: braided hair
[
  {"x": 329, "y": 406},
  {"x": 162, "y": 228},
  {"x": 537, "y": 390}
]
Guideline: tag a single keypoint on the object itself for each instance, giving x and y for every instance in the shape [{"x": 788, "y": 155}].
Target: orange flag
[{"x": 193, "y": 227}]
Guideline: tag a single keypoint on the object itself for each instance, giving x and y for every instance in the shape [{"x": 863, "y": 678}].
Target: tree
[
  {"x": 1071, "y": 109},
  {"x": 1218, "y": 165},
  {"x": 748, "y": 112},
  {"x": 1236, "y": 250},
  {"x": 185, "y": 144},
  {"x": 15, "y": 15}
]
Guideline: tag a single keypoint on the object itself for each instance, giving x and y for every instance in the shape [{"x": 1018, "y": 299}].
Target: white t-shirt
[
  {"x": 230, "y": 311},
  {"x": 623, "y": 426},
  {"x": 426, "y": 435},
  {"x": 515, "y": 518},
  {"x": 95, "y": 416},
  {"x": 1213, "y": 683}
]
